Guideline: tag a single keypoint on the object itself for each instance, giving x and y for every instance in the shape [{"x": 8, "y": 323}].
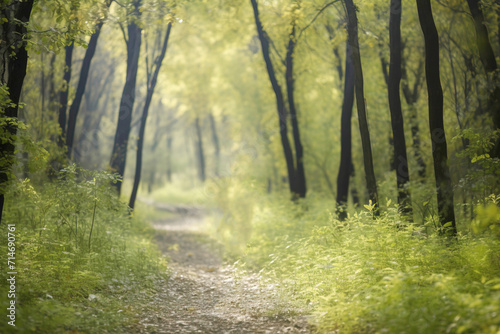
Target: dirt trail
[{"x": 203, "y": 295}]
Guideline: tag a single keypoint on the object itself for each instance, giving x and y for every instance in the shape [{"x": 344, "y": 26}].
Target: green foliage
[
  {"x": 81, "y": 259},
  {"x": 21, "y": 136},
  {"x": 379, "y": 276},
  {"x": 483, "y": 172}
]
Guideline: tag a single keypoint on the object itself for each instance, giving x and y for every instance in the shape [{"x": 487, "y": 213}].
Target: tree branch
[{"x": 316, "y": 16}]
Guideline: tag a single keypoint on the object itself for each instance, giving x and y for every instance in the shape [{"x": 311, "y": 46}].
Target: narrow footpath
[{"x": 204, "y": 295}]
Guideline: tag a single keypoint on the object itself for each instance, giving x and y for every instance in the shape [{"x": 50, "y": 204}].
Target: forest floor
[{"x": 205, "y": 295}]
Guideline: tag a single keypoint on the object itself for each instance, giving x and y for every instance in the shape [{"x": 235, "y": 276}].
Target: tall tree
[
  {"x": 13, "y": 65},
  {"x": 82, "y": 82},
  {"x": 280, "y": 103},
  {"x": 142, "y": 130},
  {"x": 63, "y": 95},
  {"x": 345, "y": 138},
  {"x": 489, "y": 62},
  {"x": 200, "y": 155},
  {"x": 119, "y": 153},
  {"x": 352, "y": 32},
  {"x": 215, "y": 141},
  {"x": 300, "y": 177},
  {"x": 435, "y": 102},
  {"x": 394, "y": 80},
  {"x": 411, "y": 96}
]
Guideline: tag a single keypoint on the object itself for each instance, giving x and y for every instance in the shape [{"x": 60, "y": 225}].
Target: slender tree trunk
[
  {"x": 52, "y": 87},
  {"x": 215, "y": 140},
  {"x": 63, "y": 95},
  {"x": 345, "y": 138},
  {"x": 435, "y": 92},
  {"x": 13, "y": 71},
  {"x": 299, "y": 150},
  {"x": 486, "y": 53},
  {"x": 142, "y": 129},
  {"x": 352, "y": 28},
  {"x": 354, "y": 190},
  {"x": 199, "y": 150},
  {"x": 169, "y": 158},
  {"x": 400, "y": 157},
  {"x": 280, "y": 104},
  {"x": 385, "y": 66},
  {"x": 82, "y": 83},
  {"x": 488, "y": 60},
  {"x": 85, "y": 142},
  {"x": 411, "y": 98},
  {"x": 119, "y": 154}
]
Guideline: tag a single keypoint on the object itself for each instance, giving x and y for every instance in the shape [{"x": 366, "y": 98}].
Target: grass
[
  {"x": 376, "y": 276},
  {"x": 83, "y": 265}
]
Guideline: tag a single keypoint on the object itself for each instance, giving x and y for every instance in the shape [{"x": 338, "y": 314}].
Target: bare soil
[{"x": 205, "y": 295}]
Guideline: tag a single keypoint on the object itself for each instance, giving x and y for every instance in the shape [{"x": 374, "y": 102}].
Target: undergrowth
[
  {"x": 379, "y": 276},
  {"x": 83, "y": 264}
]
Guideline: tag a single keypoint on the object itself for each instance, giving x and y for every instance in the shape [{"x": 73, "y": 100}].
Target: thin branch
[
  {"x": 274, "y": 47},
  {"x": 123, "y": 32},
  {"x": 455, "y": 10},
  {"x": 119, "y": 4},
  {"x": 316, "y": 16}
]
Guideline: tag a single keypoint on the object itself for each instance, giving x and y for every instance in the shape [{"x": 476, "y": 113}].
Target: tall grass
[
  {"x": 379, "y": 276},
  {"x": 82, "y": 261}
]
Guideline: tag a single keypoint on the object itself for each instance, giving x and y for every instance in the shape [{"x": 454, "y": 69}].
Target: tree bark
[
  {"x": 400, "y": 157},
  {"x": 345, "y": 138},
  {"x": 280, "y": 104},
  {"x": 142, "y": 129},
  {"x": 435, "y": 95},
  {"x": 13, "y": 71},
  {"x": 352, "y": 29},
  {"x": 63, "y": 95},
  {"x": 119, "y": 154},
  {"x": 300, "y": 180}
]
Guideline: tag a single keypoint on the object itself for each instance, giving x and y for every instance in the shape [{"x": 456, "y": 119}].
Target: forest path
[{"x": 204, "y": 295}]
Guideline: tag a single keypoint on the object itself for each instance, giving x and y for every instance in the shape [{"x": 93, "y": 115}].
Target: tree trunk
[
  {"x": 299, "y": 151},
  {"x": 354, "y": 190},
  {"x": 63, "y": 96},
  {"x": 215, "y": 140},
  {"x": 435, "y": 92},
  {"x": 119, "y": 154},
  {"x": 411, "y": 98},
  {"x": 13, "y": 72},
  {"x": 85, "y": 142},
  {"x": 488, "y": 60},
  {"x": 352, "y": 28},
  {"x": 142, "y": 129},
  {"x": 199, "y": 150},
  {"x": 482, "y": 39},
  {"x": 280, "y": 104},
  {"x": 345, "y": 138},
  {"x": 169, "y": 158},
  {"x": 400, "y": 157},
  {"x": 82, "y": 83}
]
